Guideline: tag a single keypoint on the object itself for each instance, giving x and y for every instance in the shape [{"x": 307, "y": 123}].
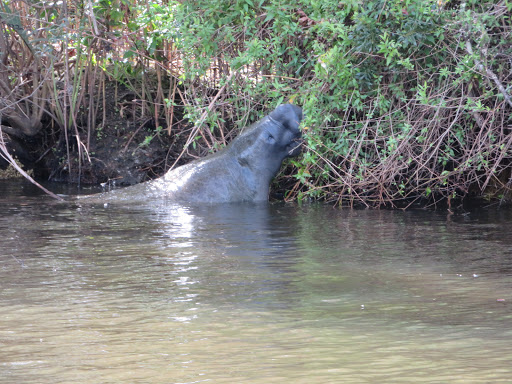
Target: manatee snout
[
  {"x": 295, "y": 147},
  {"x": 289, "y": 117}
]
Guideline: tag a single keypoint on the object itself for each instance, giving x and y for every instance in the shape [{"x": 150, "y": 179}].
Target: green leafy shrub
[
  {"x": 399, "y": 95},
  {"x": 404, "y": 99}
]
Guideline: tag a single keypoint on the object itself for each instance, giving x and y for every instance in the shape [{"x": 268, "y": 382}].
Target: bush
[{"x": 404, "y": 99}]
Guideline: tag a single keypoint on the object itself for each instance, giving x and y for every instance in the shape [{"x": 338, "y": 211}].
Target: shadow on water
[{"x": 254, "y": 293}]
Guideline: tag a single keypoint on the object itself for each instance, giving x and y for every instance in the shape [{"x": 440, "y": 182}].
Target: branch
[
  {"x": 202, "y": 119},
  {"x": 4, "y": 153},
  {"x": 490, "y": 73},
  {"x": 12, "y": 20}
]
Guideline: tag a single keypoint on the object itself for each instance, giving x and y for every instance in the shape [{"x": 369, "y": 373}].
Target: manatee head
[
  {"x": 264, "y": 146},
  {"x": 283, "y": 131}
]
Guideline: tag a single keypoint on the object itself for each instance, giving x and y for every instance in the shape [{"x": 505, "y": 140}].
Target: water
[{"x": 251, "y": 294}]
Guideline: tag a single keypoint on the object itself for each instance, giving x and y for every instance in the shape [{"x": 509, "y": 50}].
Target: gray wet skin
[{"x": 240, "y": 172}]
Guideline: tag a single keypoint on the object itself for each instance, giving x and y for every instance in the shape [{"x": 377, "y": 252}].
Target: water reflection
[{"x": 252, "y": 293}]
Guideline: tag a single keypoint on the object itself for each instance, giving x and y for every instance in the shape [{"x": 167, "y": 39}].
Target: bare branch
[{"x": 4, "y": 153}]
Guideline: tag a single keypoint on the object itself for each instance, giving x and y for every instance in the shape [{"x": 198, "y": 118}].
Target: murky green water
[{"x": 251, "y": 294}]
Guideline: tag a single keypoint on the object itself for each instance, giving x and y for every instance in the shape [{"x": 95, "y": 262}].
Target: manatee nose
[{"x": 295, "y": 147}]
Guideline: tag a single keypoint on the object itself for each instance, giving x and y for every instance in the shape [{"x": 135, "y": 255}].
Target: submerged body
[{"x": 240, "y": 172}]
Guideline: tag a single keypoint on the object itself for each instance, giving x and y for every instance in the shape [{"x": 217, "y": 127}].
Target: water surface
[{"x": 266, "y": 293}]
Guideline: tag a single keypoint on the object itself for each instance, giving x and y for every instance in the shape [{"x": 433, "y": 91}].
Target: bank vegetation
[{"x": 406, "y": 101}]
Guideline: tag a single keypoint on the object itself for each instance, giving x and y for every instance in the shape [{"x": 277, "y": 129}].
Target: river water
[{"x": 269, "y": 293}]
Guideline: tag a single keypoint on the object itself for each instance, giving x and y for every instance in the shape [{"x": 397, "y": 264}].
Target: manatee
[{"x": 240, "y": 172}]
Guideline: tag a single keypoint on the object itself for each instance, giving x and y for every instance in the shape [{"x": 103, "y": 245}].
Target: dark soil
[{"x": 124, "y": 149}]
